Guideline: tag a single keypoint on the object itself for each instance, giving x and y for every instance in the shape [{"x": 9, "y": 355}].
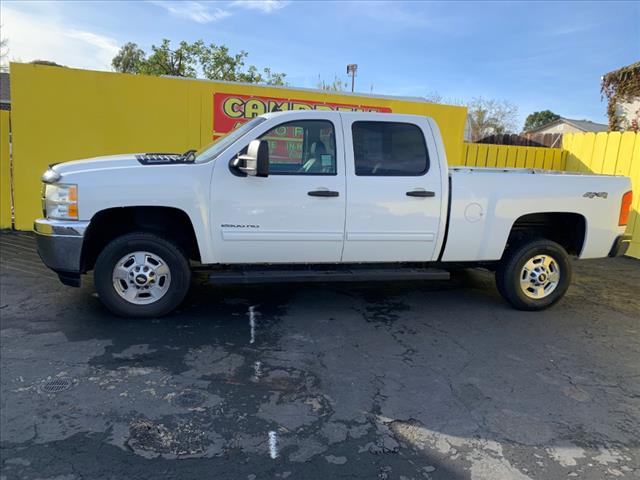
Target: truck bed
[{"x": 486, "y": 202}]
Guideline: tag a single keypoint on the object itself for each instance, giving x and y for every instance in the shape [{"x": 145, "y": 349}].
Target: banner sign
[
  {"x": 231, "y": 110},
  {"x": 285, "y": 145}
]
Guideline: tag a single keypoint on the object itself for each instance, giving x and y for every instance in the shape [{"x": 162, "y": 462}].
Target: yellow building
[{"x": 60, "y": 114}]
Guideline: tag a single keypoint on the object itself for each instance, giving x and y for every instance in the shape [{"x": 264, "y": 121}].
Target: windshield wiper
[{"x": 189, "y": 156}]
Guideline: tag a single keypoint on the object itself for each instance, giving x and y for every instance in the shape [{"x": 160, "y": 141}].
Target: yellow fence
[
  {"x": 612, "y": 153},
  {"x": 60, "y": 114},
  {"x": 5, "y": 175},
  {"x": 511, "y": 156},
  {"x": 608, "y": 153}
]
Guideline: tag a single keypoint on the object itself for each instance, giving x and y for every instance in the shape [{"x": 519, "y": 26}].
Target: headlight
[{"x": 61, "y": 201}]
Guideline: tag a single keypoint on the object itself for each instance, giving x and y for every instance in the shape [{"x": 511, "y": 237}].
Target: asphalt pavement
[{"x": 407, "y": 380}]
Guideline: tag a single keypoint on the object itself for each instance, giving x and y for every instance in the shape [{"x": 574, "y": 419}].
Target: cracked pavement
[{"x": 410, "y": 380}]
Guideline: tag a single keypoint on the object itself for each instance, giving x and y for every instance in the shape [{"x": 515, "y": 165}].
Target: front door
[
  {"x": 394, "y": 190},
  {"x": 296, "y": 214}
]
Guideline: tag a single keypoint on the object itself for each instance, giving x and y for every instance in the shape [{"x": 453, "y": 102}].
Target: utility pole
[{"x": 352, "y": 68}]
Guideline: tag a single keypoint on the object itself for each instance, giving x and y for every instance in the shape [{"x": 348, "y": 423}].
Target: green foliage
[
  {"x": 46, "y": 62},
  {"x": 218, "y": 64},
  {"x": 181, "y": 62},
  {"x": 214, "y": 62},
  {"x": 538, "y": 119},
  {"x": 129, "y": 59},
  {"x": 620, "y": 86}
]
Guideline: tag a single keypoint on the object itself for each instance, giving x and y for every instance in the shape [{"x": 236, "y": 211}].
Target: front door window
[{"x": 304, "y": 147}]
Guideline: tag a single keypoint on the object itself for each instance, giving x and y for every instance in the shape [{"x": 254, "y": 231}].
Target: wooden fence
[{"x": 551, "y": 140}]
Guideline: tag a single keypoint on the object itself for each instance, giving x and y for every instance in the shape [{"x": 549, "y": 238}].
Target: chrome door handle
[
  {"x": 420, "y": 193},
  {"x": 323, "y": 193}
]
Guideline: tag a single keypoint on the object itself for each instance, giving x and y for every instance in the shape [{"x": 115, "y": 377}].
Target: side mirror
[{"x": 256, "y": 161}]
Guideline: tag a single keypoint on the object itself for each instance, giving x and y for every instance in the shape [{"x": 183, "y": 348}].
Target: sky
[{"x": 537, "y": 55}]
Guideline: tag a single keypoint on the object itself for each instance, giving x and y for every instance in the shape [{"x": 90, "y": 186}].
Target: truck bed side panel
[{"x": 486, "y": 204}]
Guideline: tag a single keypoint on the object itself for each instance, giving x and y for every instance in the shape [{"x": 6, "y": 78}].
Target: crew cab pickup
[{"x": 320, "y": 196}]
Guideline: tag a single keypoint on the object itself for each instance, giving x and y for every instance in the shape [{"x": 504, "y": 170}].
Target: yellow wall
[
  {"x": 609, "y": 153},
  {"x": 60, "y": 114},
  {"x": 612, "y": 153},
  {"x": 5, "y": 186}
]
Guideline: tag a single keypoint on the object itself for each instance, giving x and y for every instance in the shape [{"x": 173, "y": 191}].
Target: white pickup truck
[{"x": 320, "y": 196}]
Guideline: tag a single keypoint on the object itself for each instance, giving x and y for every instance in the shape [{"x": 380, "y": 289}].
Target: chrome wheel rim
[
  {"x": 141, "y": 278},
  {"x": 540, "y": 276}
]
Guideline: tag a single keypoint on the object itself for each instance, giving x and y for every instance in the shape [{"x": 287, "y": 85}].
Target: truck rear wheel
[
  {"x": 534, "y": 275},
  {"x": 142, "y": 275}
]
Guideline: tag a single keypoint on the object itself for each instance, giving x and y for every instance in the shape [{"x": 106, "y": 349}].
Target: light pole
[{"x": 352, "y": 68}]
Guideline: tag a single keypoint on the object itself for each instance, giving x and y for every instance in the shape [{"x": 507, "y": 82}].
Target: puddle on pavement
[
  {"x": 273, "y": 444},
  {"x": 252, "y": 324}
]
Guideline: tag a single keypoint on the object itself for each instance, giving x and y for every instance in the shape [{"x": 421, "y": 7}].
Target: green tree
[
  {"x": 214, "y": 62},
  {"x": 490, "y": 117},
  {"x": 129, "y": 59},
  {"x": 537, "y": 119},
  {"x": 181, "y": 62},
  {"x": 273, "y": 78},
  {"x": 218, "y": 64}
]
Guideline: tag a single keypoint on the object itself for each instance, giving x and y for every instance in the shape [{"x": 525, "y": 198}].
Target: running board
[{"x": 356, "y": 275}]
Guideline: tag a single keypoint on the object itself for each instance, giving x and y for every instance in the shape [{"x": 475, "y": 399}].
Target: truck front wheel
[
  {"x": 142, "y": 275},
  {"x": 534, "y": 275}
]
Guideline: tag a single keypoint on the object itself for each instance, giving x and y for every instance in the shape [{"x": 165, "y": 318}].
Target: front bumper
[
  {"x": 60, "y": 247},
  {"x": 620, "y": 246}
]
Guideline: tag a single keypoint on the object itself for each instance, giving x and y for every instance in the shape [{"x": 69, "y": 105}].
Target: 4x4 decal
[{"x": 596, "y": 194}]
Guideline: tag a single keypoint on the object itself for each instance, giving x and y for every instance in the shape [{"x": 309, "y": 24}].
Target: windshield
[{"x": 214, "y": 149}]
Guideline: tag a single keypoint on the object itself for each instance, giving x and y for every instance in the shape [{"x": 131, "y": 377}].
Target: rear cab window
[{"x": 389, "y": 149}]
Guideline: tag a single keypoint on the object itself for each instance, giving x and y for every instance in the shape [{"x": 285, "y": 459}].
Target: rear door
[{"x": 394, "y": 189}]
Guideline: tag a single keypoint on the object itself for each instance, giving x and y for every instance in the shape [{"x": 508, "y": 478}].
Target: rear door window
[{"x": 389, "y": 149}]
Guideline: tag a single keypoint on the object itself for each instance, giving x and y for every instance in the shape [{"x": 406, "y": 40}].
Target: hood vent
[{"x": 162, "y": 158}]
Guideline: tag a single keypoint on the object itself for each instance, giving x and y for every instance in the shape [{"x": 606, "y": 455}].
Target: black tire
[
  {"x": 169, "y": 252},
  {"x": 510, "y": 269}
]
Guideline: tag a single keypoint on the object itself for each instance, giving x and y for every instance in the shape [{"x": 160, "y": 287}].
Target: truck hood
[{"x": 97, "y": 163}]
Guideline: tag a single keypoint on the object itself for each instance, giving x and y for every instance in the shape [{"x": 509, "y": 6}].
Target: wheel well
[
  {"x": 109, "y": 224},
  {"x": 567, "y": 229}
]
